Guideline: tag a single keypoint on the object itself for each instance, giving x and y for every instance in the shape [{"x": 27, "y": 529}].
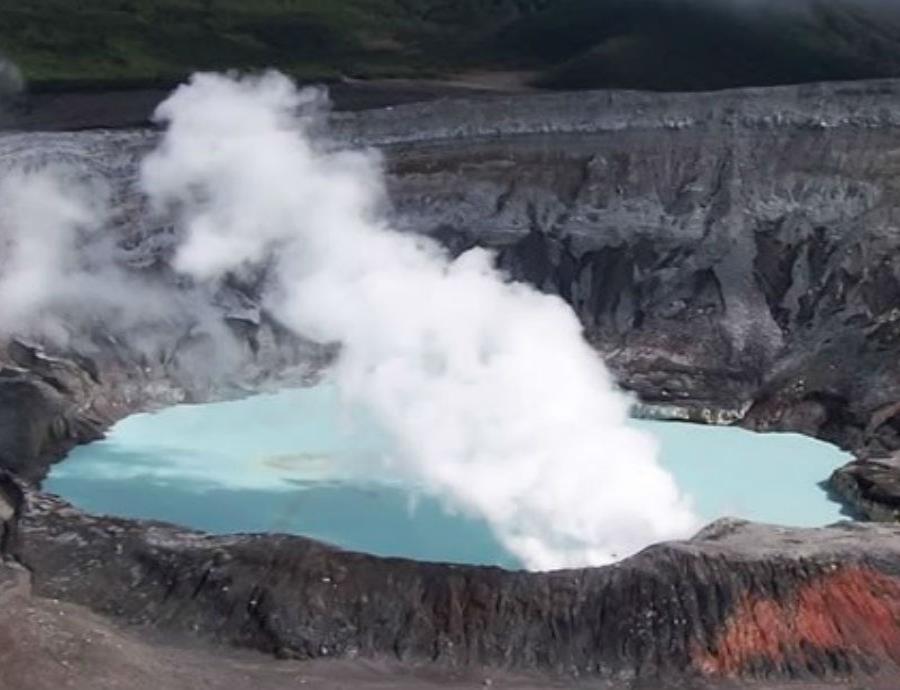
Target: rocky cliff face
[{"x": 733, "y": 255}]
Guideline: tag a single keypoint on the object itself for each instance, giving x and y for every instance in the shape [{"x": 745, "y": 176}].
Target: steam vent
[{"x": 522, "y": 390}]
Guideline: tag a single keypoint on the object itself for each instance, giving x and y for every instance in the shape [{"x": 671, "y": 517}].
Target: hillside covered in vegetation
[{"x": 653, "y": 44}]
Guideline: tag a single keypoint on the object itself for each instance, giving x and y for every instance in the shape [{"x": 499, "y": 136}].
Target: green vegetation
[
  {"x": 132, "y": 41},
  {"x": 659, "y": 44}
]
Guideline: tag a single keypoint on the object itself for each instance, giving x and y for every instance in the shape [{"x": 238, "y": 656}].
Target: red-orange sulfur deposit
[{"x": 852, "y": 609}]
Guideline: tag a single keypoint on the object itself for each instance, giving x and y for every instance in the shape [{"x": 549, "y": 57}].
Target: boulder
[{"x": 871, "y": 488}]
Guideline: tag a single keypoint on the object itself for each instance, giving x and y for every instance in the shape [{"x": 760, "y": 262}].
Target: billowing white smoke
[
  {"x": 53, "y": 218},
  {"x": 54, "y": 257},
  {"x": 61, "y": 278},
  {"x": 495, "y": 400}
]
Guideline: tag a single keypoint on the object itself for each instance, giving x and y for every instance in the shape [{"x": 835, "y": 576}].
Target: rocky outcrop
[
  {"x": 50, "y": 403},
  {"x": 738, "y": 601},
  {"x": 11, "y": 499},
  {"x": 870, "y": 487},
  {"x": 47, "y": 406}
]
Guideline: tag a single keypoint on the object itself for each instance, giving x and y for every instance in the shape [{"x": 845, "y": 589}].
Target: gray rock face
[
  {"x": 733, "y": 255},
  {"x": 47, "y": 406},
  {"x": 871, "y": 488}
]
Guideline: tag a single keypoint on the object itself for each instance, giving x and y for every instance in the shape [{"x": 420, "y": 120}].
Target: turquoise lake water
[{"x": 296, "y": 461}]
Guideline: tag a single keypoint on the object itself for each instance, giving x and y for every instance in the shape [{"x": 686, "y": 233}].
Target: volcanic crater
[{"x": 731, "y": 256}]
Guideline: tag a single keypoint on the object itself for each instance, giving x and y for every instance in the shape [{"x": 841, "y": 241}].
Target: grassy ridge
[
  {"x": 57, "y": 41},
  {"x": 658, "y": 44}
]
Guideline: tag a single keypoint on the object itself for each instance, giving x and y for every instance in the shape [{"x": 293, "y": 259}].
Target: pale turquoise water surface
[{"x": 296, "y": 461}]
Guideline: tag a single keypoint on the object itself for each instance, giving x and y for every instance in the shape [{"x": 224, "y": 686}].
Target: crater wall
[{"x": 732, "y": 256}]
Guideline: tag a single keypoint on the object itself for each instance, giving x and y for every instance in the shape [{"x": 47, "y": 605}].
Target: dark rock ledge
[
  {"x": 870, "y": 487},
  {"x": 48, "y": 405}
]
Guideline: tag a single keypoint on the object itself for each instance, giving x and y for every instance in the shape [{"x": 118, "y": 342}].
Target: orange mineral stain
[{"x": 852, "y": 609}]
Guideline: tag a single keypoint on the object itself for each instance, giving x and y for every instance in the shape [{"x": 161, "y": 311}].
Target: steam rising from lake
[{"x": 494, "y": 400}]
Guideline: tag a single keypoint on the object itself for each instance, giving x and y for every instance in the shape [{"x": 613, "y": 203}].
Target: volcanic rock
[{"x": 870, "y": 487}]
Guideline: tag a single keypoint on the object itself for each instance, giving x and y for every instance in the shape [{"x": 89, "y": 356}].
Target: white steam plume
[
  {"x": 494, "y": 398},
  {"x": 61, "y": 279},
  {"x": 39, "y": 227}
]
